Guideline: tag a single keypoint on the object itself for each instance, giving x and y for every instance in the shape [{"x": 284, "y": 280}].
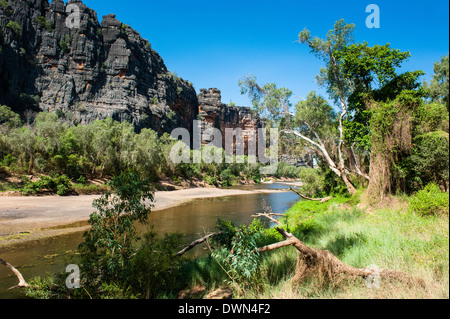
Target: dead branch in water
[
  {"x": 195, "y": 243},
  {"x": 322, "y": 200},
  {"x": 22, "y": 283}
]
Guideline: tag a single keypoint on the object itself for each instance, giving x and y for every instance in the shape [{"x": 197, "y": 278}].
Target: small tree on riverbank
[{"x": 108, "y": 246}]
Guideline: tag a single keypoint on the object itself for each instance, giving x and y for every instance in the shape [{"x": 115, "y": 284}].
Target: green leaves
[
  {"x": 238, "y": 254},
  {"x": 8, "y": 119},
  {"x": 15, "y": 27},
  {"x": 108, "y": 245},
  {"x": 315, "y": 116},
  {"x": 430, "y": 201},
  {"x": 269, "y": 101},
  {"x": 331, "y": 76},
  {"x": 366, "y": 66},
  {"x": 438, "y": 89},
  {"x": 60, "y": 184}
]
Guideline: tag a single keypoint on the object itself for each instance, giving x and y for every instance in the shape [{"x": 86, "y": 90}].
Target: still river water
[{"x": 52, "y": 255}]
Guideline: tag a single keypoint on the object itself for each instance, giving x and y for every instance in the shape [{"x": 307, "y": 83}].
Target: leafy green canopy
[{"x": 372, "y": 72}]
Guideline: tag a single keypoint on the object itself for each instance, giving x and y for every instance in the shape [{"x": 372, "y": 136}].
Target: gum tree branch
[{"x": 22, "y": 283}]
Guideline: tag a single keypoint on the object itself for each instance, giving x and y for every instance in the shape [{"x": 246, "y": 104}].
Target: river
[{"x": 192, "y": 219}]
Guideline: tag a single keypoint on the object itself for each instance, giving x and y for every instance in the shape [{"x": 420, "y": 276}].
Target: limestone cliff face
[{"x": 91, "y": 71}]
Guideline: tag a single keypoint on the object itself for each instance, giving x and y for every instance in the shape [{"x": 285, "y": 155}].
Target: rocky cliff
[
  {"x": 215, "y": 114},
  {"x": 85, "y": 71}
]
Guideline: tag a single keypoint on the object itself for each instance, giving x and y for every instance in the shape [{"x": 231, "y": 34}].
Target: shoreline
[{"x": 30, "y": 218}]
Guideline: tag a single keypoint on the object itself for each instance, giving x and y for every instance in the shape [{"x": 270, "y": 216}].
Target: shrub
[
  {"x": 8, "y": 160},
  {"x": 430, "y": 159},
  {"x": 44, "y": 23},
  {"x": 64, "y": 44},
  {"x": 15, "y": 27},
  {"x": 312, "y": 181},
  {"x": 155, "y": 265},
  {"x": 430, "y": 201},
  {"x": 108, "y": 245},
  {"x": 8, "y": 119},
  {"x": 226, "y": 177},
  {"x": 238, "y": 255},
  {"x": 60, "y": 185}
]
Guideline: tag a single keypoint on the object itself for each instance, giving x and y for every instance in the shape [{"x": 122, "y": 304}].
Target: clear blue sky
[{"x": 214, "y": 43}]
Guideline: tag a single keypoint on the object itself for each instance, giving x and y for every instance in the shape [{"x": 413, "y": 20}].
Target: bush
[
  {"x": 227, "y": 177},
  {"x": 8, "y": 160},
  {"x": 238, "y": 255},
  {"x": 60, "y": 185},
  {"x": 430, "y": 160},
  {"x": 108, "y": 245},
  {"x": 15, "y": 27},
  {"x": 155, "y": 265},
  {"x": 65, "y": 43},
  {"x": 312, "y": 181},
  {"x": 430, "y": 201},
  {"x": 44, "y": 23}
]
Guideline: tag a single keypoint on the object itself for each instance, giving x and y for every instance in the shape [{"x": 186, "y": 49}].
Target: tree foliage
[
  {"x": 108, "y": 245},
  {"x": 439, "y": 88}
]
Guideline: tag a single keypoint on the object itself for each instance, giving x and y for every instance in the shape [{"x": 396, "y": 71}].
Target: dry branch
[
  {"x": 195, "y": 243},
  {"x": 269, "y": 216},
  {"x": 22, "y": 283},
  {"x": 322, "y": 200}
]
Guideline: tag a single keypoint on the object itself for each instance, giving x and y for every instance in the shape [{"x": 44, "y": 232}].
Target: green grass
[{"x": 394, "y": 238}]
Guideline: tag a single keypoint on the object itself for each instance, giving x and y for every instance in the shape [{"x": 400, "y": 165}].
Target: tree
[
  {"x": 314, "y": 120},
  {"x": 331, "y": 77},
  {"x": 377, "y": 104},
  {"x": 439, "y": 87},
  {"x": 8, "y": 119},
  {"x": 108, "y": 246},
  {"x": 276, "y": 101}
]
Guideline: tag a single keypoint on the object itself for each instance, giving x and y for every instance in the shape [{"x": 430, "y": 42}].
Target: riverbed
[{"x": 192, "y": 218}]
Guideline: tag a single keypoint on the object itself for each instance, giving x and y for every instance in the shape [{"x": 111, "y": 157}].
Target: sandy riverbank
[{"x": 31, "y": 218}]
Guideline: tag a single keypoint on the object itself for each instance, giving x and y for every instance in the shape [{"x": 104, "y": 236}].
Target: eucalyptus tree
[
  {"x": 439, "y": 87},
  {"x": 331, "y": 77},
  {"x": 312, "y": 111},
  {"x": 314, "y": 120}
]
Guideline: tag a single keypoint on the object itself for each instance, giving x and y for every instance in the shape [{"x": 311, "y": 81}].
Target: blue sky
[{"x": 214, "y": 43}]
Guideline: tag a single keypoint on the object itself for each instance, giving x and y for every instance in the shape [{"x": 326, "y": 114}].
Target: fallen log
[
  {"x": 22, "y": 283},
  {"x": 319, "y": 263},
  {"x": 324, "y": 265},
  {"x": 195, "y": 243},
  {"x": 322, "y": 200}
]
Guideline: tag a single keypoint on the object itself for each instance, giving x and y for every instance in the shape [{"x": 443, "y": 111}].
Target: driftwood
[
  {"x": 322, "y": 200},
  {"x": 22, "y": 283},
  {"x": 195, "y": 243}
]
